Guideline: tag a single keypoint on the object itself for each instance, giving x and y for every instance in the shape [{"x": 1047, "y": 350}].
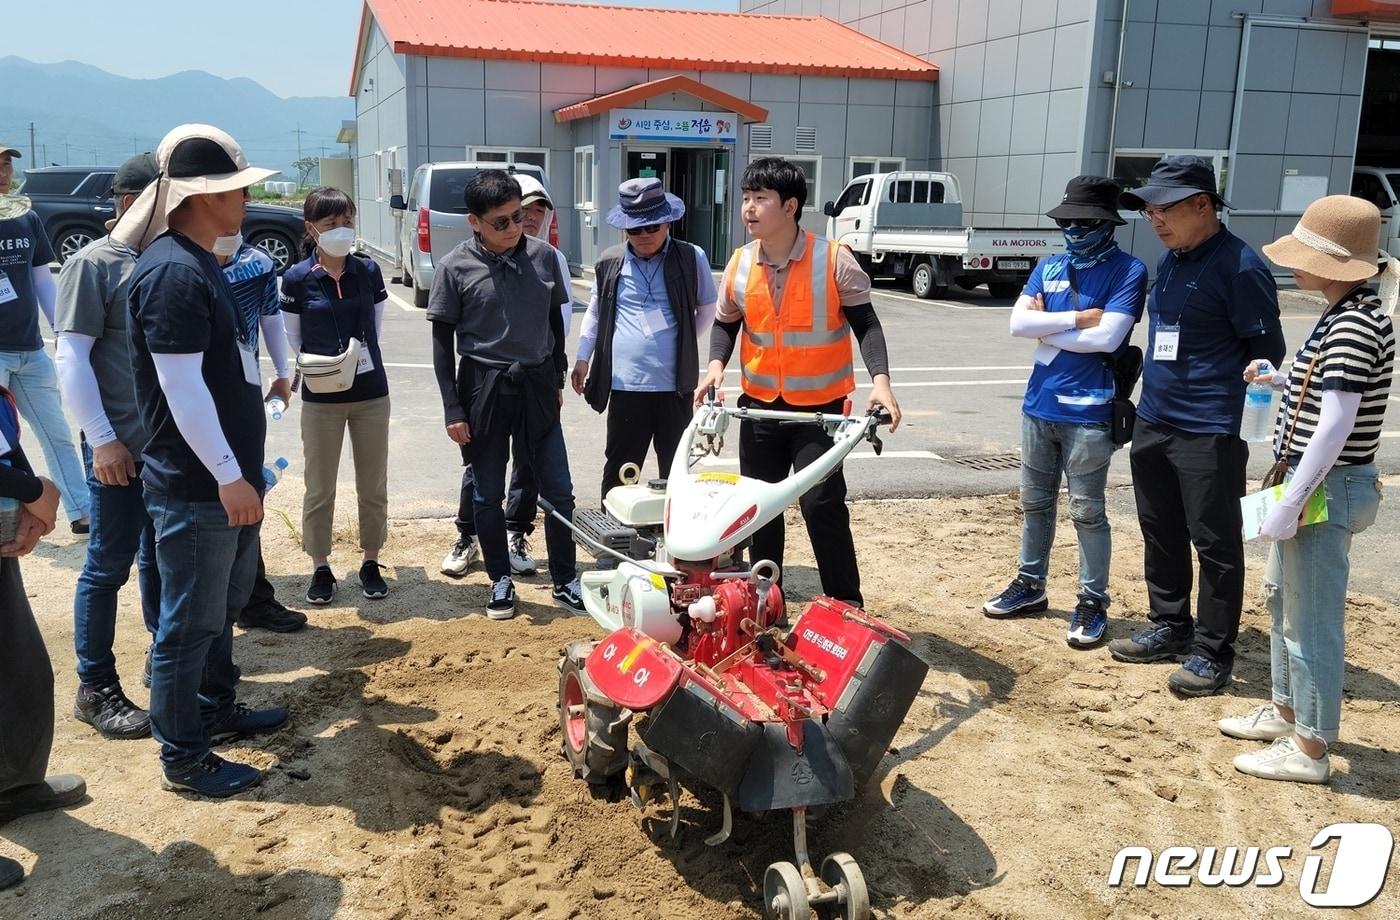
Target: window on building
[
  {"x": 584, "y": 178},
  {"x": 379, "y": 175},
  {"x": 1131, "y": 168},
  {"x": 535, "y": 156},
  {"x": 810, "y": 166},
  {"x": 864, "y": 166}
]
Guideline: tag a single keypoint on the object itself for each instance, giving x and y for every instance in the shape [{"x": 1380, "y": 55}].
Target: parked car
[
  {"x": 439, "y": 219},
  {"x": 75, "y": 201},
  {"x": 1381, "y": 187},
  {"x": 909, "y": 225}
]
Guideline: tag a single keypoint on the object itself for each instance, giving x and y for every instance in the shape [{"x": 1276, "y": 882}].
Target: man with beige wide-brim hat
[
  {"x": 1328, "y": 431},
  {"x": 200, "y": 391}
]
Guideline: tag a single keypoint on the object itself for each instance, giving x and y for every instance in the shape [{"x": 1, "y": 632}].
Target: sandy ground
[{"x": 421, "y": 775}]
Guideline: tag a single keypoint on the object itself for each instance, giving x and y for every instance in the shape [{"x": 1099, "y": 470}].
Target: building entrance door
[
  {"x": 701, "y": 179},
  {"x": 648, "y": 163}
]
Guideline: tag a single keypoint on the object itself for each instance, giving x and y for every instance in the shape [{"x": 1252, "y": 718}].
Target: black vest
[{"x": 680, "y": 269}]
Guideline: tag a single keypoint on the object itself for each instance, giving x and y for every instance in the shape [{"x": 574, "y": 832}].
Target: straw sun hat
[{"x": 1338, "y": 238}]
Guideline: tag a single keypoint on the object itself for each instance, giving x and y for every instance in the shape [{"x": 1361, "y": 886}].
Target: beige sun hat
[
  {"x": 192, "y": 160},
  {"x": 1337, "y": 238}
]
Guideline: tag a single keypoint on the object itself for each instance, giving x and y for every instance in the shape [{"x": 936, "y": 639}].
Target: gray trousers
[{"x": 26, "y": 687}]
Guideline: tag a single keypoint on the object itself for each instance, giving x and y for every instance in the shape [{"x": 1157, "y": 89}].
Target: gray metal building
[
  {"x": 1283, "y": 95},
  {"x": 596, "y": 94}
]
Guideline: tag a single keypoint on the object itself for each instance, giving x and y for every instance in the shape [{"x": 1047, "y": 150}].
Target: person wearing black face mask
[{"x": 1081, "y": 308}]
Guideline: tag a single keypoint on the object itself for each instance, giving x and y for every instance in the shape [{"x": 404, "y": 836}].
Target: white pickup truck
[{"x": 910, "y": 225}]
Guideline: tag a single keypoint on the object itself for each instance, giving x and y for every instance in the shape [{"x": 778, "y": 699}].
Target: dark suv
[{"x": 75, "y": 202}]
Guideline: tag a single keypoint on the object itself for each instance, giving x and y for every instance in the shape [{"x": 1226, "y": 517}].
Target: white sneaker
[
  {"x": 521, "y": 562},
  {"x": 1283, "y": 760},
  {"x": 461, "y": 556},
  {"x": 1262, "y": 723}
]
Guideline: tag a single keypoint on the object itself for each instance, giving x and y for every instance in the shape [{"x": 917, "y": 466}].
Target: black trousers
[
  {"x": 1188, "y": 489},
  {"x": 636, "y": 422},
  {"x": 26, "y": 687},
  {"x": 520, "y": 497},
  {"x": 768, "y": 450},
  {"x": 263, "y": 598}
]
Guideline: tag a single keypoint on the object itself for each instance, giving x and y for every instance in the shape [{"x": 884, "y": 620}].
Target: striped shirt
[{"x": 1355, "y": 347}]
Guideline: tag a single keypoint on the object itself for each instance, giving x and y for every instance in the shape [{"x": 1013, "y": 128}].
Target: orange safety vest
[{"x": 799, "y": 350}]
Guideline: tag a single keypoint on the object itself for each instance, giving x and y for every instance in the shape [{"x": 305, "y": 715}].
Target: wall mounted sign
[{"x": 668, "y": 125}]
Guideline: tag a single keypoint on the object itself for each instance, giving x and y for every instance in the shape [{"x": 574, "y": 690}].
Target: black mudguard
[
  {"x": 869, "y": 714},
  {"x": 702, "y": 736},
  {"x": 776, "y": 776}
]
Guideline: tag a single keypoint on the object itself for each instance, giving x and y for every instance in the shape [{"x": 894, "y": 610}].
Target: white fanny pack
[{"x": 330, "y": 373}]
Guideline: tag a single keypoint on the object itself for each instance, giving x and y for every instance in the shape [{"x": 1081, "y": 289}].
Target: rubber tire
[
  {"x": 85, "y": 235},
  {"x": 603, "y": 754},
  {"x": 286, "y": 243},
  {"x": 923, "y": 281},
  {"x": 1003, "y": 290},
  {"x": 840, "y": 869},
  {"x": 420, "y": 296},
  {"x": 783, "y": 878}
]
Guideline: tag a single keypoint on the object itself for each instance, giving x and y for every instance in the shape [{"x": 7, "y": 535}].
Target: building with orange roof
[{"x": 594, "y": 94}]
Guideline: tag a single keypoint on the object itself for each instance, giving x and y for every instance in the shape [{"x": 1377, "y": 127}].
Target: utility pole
[
  {"x": 31, "y": 144},
  {"x": 66, "y": 159},
  {"x": 298, "y": 132}
]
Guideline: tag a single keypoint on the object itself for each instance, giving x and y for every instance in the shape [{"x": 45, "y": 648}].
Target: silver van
[{"x": 436, "y": 218}]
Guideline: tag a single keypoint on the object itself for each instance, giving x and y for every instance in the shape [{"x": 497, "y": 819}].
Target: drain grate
[{"x": 993, "y": 462}]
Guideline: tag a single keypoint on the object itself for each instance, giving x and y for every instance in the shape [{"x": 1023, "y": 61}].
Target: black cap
[
  {"x": 135, "y": 174},
  {"x": 1089, "y": 198},
  {"x": 1173, "y": 179}
]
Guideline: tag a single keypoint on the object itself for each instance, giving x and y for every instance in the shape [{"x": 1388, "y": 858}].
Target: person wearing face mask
[
  {"x": 1081, "y": 308},
  {"x": 520, "y": 498},
  {"x": 252, "y": 277},
  {"x": 95, "y": 376},
  {"x": 328, "y": 298}
]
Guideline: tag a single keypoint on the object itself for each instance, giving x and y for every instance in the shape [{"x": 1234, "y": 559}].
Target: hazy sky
[{"x": 292, "y": 48}]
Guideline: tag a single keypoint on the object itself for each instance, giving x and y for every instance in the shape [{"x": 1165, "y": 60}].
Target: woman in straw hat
[{"x": 1328, "y": 431}]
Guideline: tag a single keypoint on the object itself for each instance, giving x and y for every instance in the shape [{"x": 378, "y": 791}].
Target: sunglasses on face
[
  {"x": 499, "y": 224},
  {"x": 1079, "y": 223},
  {"x": 647, "y": 230}
]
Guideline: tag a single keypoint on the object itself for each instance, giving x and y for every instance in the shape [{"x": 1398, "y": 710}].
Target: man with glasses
[
  {"x": 1213, "y": 309},
  {"x": 501, "y": 379},
  {"x": 1081, "y": 307},
  {"x": 652, "y": 296}
]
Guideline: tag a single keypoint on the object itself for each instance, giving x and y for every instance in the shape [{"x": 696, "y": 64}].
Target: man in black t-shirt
[{"x": 199, "y": 389}]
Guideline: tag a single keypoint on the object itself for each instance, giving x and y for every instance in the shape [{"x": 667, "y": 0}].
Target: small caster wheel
[
  {"x": 785, "y": 893},
  {"x": 840, "y": 872}
]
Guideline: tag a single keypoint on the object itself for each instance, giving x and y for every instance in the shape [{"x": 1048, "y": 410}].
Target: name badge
[
  {"x": 652, "y": 322},
  {"x": 250, "y": 366},
  {"x": 1165, "y": 343},
  {"x": 366, "y": 362},
  {"x": 7, "y": 289}
]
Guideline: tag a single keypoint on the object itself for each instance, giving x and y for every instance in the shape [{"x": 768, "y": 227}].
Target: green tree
[{"x": 305, "y": 167}]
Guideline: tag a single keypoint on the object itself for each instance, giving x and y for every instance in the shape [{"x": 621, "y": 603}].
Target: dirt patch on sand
[{"x": 420, "y": 776}]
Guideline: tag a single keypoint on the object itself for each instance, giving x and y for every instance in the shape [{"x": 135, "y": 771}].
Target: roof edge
[{"x": 640, "y": 92}]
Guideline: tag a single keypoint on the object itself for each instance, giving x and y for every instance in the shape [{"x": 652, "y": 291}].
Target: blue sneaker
[
  {"x": 242, "y": 722},
  {"x": 1087, "y": 626},
  {"x": 1199, "y": 676},
  {"x": 1021, "y": 596},
  {"x": 213, "y": 777}
]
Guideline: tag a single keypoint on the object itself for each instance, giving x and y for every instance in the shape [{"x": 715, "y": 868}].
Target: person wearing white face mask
[{"x": 330, "y": 298}]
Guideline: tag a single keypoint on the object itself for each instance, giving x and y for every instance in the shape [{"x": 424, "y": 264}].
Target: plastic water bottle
[
  {"x": 1259, "y": 413},
  {"x": 275, "y": 407},
  {"x": 273, "y": 474}
]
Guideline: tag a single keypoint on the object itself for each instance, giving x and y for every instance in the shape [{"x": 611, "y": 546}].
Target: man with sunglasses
[
  {"x": 1213, "y": 309},
  {"x": 652, "y": 296},
  {"x": 500, "y": 379},
  {"x": 1081, "y": 307}
]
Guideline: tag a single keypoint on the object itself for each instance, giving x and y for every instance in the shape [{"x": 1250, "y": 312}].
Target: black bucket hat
[
  {"x": 1089, "y": 198},
  {"x": 1173, "y": 179}
]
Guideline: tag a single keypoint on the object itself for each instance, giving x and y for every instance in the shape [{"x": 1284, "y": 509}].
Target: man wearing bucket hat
[
  {"x": 1328, "y": 431},
  {"x": 200, "y": 392},
  {"x": 1213, "y": 308},
  {"x": 652, "y": 296},
  {"x": 1082, "y": 307}
]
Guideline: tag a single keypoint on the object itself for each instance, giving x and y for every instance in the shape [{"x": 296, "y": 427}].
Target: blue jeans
[
  {"x": 206, "y": 575},
  {"x": 121, "y": 534},
  {"x": 1305, "y": 589},
  {"x": 30, "y": 375},
  {"x": 1082, "y": 454},
  {"x": 550, "y": 462}
]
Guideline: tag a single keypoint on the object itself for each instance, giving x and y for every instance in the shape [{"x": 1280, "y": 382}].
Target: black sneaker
[
  {"x": 273, "y": 618},
  {"x": 371, "y": 582},
  {"x": 501, "y": 606},
  {"x": 57, "y": 791},
  {"x": 109, "y": 711},
  {"x": 11, "y": 872},
  {"x": 243, "y": 721},
  {"x": 569, "y": 596},
  {"x": 322, "y": 587},
  {"x": 1199, "y": 676},
  {"x": 80, "y": 528},
  {"x": 1158, "y": 642},
  {"x": 213, "y": 777}
]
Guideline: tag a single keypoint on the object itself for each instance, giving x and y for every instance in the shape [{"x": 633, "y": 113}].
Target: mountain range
[{"x": 85, "y": 115}]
